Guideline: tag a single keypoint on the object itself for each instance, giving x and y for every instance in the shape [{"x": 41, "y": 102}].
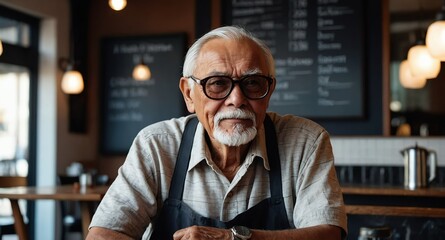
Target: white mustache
[{"x": 237, "y": 114}]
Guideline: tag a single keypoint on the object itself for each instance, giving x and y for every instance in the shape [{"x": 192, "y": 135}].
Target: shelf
[
  {"x": 375, "y": 205},
  {"x": 395, "y": 211},
  {"x": 393, "y": 191}
]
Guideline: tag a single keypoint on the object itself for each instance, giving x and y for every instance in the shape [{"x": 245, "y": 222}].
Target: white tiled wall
[{"x": 381, "y": 150}]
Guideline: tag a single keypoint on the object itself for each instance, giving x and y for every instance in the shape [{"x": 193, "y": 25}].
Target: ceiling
[
  {"x": 401, "y": 6},
  {"x": 411, "y": 15}
]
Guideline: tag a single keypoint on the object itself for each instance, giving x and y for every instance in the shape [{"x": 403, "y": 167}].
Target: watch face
[{"x": 242, "y": 232}]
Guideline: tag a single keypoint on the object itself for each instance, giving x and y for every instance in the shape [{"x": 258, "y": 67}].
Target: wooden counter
[
  {"x": 394, "y": 201},
  {"x": 393, "y": 191},
  {"x": 85, "y": 197}
]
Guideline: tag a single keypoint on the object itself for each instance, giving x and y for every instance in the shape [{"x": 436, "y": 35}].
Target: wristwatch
[{"x": 240, "y": 233}]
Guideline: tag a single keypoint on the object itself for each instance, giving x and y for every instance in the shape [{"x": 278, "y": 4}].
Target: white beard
[{"x": 240, "y": 135}]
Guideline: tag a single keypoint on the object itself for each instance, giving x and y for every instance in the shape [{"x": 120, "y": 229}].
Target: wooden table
[
  {"x": 62, "y": 193},
  {"x": 394, "y": 201}
]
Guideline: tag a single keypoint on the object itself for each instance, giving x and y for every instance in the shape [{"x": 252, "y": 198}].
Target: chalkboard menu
[
  {"x": 129, "y": 105},
  {"x": 318, "y": 47}
]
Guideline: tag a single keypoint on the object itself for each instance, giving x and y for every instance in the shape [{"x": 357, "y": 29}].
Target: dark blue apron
[{"x": 269, "y": 214}]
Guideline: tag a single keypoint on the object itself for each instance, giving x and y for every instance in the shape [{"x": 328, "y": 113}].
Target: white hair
[{"x": 227, "y": 32}]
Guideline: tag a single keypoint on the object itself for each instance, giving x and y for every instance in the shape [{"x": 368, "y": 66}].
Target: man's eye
[
  {"x": 252, "y": 81},
  {"x": 218, "y": 82}
]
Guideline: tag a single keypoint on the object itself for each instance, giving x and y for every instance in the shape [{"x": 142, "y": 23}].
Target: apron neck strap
[
  {"x": 183, "y": 159},
  {"x": 276, "y": 189}
]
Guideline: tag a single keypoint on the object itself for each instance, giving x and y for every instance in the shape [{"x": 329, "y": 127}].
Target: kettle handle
[{"x": 432, "y": 159}]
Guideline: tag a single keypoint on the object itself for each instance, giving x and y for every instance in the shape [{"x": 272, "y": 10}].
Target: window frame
[{"x": 27, "y": 57}]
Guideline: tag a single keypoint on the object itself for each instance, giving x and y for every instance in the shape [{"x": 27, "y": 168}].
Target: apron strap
[
  {"x": 276, "y": 188},
  {"x": 182, "y": 161}
]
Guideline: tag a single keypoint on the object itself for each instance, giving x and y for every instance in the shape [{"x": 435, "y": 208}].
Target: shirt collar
[{"x": 200, "y": 151}]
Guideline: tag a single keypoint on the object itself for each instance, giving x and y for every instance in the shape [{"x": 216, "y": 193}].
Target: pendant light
[
  {"x": 141, "y": 72},
  {"x": 72, "y": 80},
  {"x": 1, "y": 47},
  {"x": 421, "y": 63},
  {"x": 435, "y": 36},
  {"x": 407, "y": 79},
  {"x": 117, "y": 5}
]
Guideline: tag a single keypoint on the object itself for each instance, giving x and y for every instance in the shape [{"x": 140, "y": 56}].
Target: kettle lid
[{"x": 415, "y": 147}]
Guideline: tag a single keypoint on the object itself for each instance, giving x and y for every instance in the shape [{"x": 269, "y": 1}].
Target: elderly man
[{"x": 231, "y": 170}]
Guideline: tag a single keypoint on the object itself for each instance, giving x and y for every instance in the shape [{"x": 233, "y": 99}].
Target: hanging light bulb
[
  {"x": 117, "y": 5},
  {"x": 435, "y": 36},
  {"x": 421, "y": 63},
  {"x": 141, "y": 72},
  {"x": 1, "y": 47},
  {"x": 435, "y": 40},
  {"x": 72, "y": 81},
  {"x": 407, "y": 79}
]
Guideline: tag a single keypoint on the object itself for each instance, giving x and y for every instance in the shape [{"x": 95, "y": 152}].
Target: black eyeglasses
[{"x": 219, "y": 87}]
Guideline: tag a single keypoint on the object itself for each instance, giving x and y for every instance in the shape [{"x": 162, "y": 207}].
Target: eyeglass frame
[{"x": 234, "y": 81}]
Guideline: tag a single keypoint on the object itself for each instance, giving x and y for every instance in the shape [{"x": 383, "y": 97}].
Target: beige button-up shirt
[{"x": 311, "y": 191}]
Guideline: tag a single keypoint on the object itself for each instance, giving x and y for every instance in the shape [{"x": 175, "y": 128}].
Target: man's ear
[{"x": 186, "y": 94}]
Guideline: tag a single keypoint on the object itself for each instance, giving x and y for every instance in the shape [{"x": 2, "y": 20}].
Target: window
[
  {"x": 18, "y": 96},
  {"x": 14, "y": 120},
  {"x": 18, "y": 87},
  {"x": 14, "y": 32}
]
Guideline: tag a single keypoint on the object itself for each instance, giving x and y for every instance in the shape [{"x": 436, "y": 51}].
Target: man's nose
[{"x": 236, "y": 97}]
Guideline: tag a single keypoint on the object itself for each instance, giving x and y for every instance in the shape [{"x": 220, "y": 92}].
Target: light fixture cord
[
  {"x": 71, "y": 58},
  {"x": 420, "y": 39},
  {"x": 441, "y": 14}
]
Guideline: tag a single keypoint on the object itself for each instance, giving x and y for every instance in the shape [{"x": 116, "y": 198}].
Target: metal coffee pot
[{"x": 416, "y": 160}]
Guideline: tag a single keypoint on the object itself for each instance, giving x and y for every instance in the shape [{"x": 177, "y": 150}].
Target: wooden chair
[{"x": 10, "y": 181}]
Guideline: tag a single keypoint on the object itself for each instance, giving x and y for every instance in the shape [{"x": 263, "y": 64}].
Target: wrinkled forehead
[{"x": 231, "y": 56}]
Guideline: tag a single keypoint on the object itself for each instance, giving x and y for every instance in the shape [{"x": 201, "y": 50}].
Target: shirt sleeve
[
  {"x": 132, "y": 199},
  {"x": 319, "y": 197}
]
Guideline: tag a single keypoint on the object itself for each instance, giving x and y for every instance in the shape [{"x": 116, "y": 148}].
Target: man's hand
[
  {"x": 200, "y": 232},
  {"x": 327, "y": 232}
]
